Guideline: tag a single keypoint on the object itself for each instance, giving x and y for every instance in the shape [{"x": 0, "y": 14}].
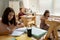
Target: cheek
[
  {"x": 10, "y": 17},
  {"x": 46, "y": 14}
]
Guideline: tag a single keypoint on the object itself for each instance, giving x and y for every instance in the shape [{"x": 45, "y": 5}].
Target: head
[
  {"x": 46, "y": 13},
  {"x": 22, "y": 10},
  {"x": 9, "y": 16}
]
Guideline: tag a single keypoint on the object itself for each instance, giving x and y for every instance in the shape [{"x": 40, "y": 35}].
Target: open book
[
  {"x": 17, "y": 33},
  {"x": 37, "y": 32},
  {"x": 24, "y": 29}
]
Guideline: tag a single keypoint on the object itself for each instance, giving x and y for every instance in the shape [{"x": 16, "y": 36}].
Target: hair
[
  {"x": 46, "y": 11},
  {"x": 5, "y": 16},
  {"x": 20, "y": 9}
]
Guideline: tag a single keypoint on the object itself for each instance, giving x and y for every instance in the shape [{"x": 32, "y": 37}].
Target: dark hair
[
  {"x": 46, "y": 11},
  {"x": 5, "y": 16},
  {"x": 20, "y": 9}
]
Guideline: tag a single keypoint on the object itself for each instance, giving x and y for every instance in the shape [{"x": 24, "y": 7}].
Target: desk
[
  {"x": 22, "y": 37},
  {"x": 53, "y": 27},
  {"x": 25, "y": 19},
  {"x": 6, "y": 37}
]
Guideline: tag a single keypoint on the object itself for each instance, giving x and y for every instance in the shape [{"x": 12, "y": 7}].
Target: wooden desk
[
  {"x": 22, "y": 37},
  {"x": 6, "y": 37},
  {"x": 25, "y": 19},
  {"x": 52, "y": 28}
]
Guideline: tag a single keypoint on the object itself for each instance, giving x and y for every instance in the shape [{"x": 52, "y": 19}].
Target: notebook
[
  {"x": 17, "y": 33},
  {"x": 37, "y": 32},
  {"x": 24, "y": 29}
]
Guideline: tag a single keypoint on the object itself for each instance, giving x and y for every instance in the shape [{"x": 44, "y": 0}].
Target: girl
[
  {"x": 8, "y": 22},
  {"x": 45, "y": 16}
]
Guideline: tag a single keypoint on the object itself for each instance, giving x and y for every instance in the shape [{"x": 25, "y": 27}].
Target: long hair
[{"x": 5, "y": 16}]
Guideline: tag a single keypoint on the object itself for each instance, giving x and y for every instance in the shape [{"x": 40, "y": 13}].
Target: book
[
  {"x": 24, "y": 29},
  {"x": 37, "y": 32},
  {"x": 17, "y": 33}
]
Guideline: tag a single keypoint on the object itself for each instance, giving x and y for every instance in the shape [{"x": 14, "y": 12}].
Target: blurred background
[{"x": 36, "y": 6}]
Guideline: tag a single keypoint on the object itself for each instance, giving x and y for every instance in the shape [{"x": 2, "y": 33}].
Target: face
[
  {"x": 10, "y": 16},
  {"x": 47, "y": 14},
  {"x": 23, "y": 10}
]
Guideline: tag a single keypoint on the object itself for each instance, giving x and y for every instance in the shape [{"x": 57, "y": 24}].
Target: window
[
  {"x": 45, "y": 5},
  {"x": 57, "y": 7},
  {"x": 42, "y": 5}
]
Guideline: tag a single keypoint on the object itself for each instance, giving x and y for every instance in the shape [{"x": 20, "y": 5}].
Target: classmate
[
  {"x": 21, "y": 13},
  {"x": 8, "y": 22},
  {"x": 45, "y": 16}
]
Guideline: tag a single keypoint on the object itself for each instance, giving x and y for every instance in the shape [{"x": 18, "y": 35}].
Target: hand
[{"x": 21, "y": 25}]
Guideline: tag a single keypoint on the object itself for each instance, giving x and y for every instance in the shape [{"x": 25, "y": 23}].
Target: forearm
[{"x": 5, "y": 32}]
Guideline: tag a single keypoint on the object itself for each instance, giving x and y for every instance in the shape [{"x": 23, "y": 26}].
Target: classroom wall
[
  {"x": 3, "y": 5},
  {"x": 34, "y": 5}
]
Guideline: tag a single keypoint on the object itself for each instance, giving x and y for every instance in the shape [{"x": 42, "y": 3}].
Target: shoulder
[
  {"x": 0, "y": 22},
  {"x": 1, "y": 25},
  {"x": 42, "y": 17}
]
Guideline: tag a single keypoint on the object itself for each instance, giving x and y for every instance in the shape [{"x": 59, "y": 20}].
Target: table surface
[{"x": 22, "y": 37}]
